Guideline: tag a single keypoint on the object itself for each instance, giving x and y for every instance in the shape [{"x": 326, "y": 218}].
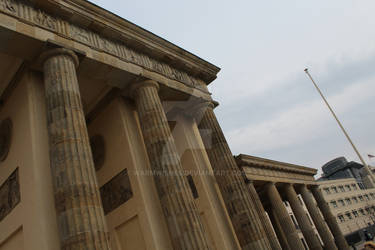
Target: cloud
[{"x": 282, "y": 121}]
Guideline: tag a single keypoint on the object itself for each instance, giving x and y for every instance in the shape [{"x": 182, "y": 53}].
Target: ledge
[
  {"x": 90, "y": 16},
  {"x": 247, "y": 160}
]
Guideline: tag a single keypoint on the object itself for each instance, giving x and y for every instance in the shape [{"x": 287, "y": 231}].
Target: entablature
[
  {"x": 108, "y": 39},
  {"x": 261, "y": 169}
]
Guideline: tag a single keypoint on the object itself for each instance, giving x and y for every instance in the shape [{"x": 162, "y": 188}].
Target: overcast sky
[{"x": 268, "y": 106}]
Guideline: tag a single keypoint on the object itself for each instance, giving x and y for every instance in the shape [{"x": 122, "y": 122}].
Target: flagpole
[{"x": 342, "y": 128}]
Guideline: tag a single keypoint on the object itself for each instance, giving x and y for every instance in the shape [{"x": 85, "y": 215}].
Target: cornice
[
  {"x": 99, "y": 20},
  {"x": 248, "y": 161}
]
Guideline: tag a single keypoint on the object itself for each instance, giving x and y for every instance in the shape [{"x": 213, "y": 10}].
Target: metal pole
[{"x": 342, "y": 128}]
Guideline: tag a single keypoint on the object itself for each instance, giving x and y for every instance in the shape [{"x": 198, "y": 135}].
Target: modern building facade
[
  {"x": 351, "y": 204},
  {"x": 108, "y": 140},
  {"x": 340, "y": 168}
]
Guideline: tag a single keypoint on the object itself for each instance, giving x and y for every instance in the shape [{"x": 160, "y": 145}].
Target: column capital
[
  {"x": 199, "y": 108},
  {"x": 58, "y": 52},
  {"x": 134, "y": 87}
]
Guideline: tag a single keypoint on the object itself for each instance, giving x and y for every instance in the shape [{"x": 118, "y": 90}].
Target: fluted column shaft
[
  {"x": 321, "y": 226},
  {"x": 301, "y": 216},
  {"x": 246, "y": 223},
  {"x": 279, "y": 231},
  {"x": 182, "y": 216},
  {"x": 288, "y": 226},
  {"x": 272, "y": 237},
  {"x": 330, "y": 219},
  {"x": 78, "y": 206}
]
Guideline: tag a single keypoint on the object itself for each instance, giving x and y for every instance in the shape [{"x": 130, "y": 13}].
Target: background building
[{"x": 350, "y": 201}]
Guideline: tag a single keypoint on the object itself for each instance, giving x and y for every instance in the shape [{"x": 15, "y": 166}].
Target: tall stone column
[
  {"x": 78, "y": 206},
  {"x": 246, "y": 223},
  {"x": 319, "y": 222},
  {"x": 301, "y": 216},
  {"x": 272, "y": 237},
  {"x": 279, "y": 231},
  {"x": 180, "y": 211},
  {"x": 330, "y": 219},
  {"x": 278, "y": 207}
]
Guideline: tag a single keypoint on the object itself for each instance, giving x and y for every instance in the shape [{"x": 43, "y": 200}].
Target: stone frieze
[{"x": 25, "y": 11}]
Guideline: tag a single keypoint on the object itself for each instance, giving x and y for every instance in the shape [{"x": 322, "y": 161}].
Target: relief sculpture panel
[
  {"x": 9, "y": 194},
  {"x": 96, "y": 41},
  {"x": 8, "y": 5},
  {"x": 116, "y": 192}
]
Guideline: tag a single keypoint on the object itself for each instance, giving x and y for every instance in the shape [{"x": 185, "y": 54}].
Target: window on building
[
  {"x": 342, "y": 203},
  {"x": 354, "y": 186},
  {"x": 355, "y": 199},
  {"x": 334, "y": 189},
  {"x": 349, "y": 216},
  {"x": 360, "y": 198},
  {"x": 348, "y": 201},
  {"x": 361, "y": 186},
  {"x": 372, "y": 196},
  {"x": 348, "y": 188},
  {"x": 366, "y": 196},
  {"x": 367, "y": 210},
  {"x": 327, "y": 191},
  {"x": 341, "y": 218},
  {"x": 355, "y": 213},
  {"x": 333, "y": 204},
  {"x": 341, "y": 189}
]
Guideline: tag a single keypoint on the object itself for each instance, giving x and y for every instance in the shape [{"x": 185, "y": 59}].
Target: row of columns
[
  {"x": 80, "y": 214},
  {"x": 287, "y": 233},
  {"x": 246, "y": 223}
]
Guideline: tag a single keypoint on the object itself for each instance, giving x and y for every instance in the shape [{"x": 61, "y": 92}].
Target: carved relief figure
[
  {"x": 46, "y": 20},
  {"x": 9, "y": 194},
  {"x": 116, "y": 192},
  {"x": 8, "y": 5},
  {"x": 80, "y": 34}
]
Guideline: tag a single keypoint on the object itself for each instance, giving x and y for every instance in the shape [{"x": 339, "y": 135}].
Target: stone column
[
  {"x": 78, "y": 206},
  {"x": 301, "y": 216},
  {"x": 288, "y": 226},
  {"x": 182, "y": 216},
  {"x": 319, "y": 222},
  {"x": 330, "y": 219},
  {"x": 279, "y": 231},
  {"x": 266, "y": 223},
  {"x": 247, "y": 225}
]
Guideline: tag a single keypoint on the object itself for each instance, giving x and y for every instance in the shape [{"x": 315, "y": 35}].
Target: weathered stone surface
[
  {"x": 29, "y": 13},
  {"x": 116, "y": 192},
  {"x": 182, "y": 216},
  {"x": 246, "y": 223},
  {"x": 79, "y": 211},
  {"x": 285, "y": 221},
  {"x": 303, "y": 221},
  {"x": 272, "y": 238},
  {"x": 9, "y": 194}
]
